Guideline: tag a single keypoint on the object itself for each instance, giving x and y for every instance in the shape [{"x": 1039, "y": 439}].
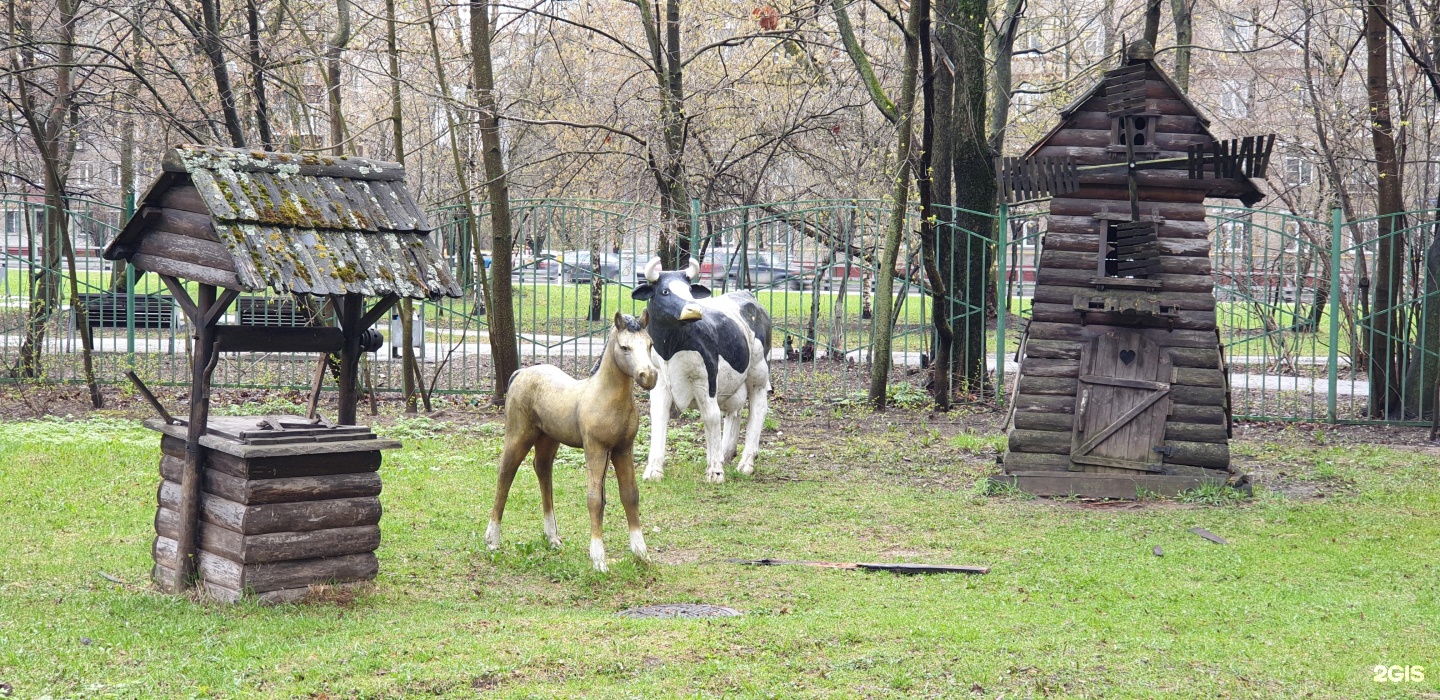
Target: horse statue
[{"x": 546, "y": 408}]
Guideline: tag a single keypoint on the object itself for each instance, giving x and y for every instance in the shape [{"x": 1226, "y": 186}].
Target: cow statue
[{"x": 714, "y": 356}]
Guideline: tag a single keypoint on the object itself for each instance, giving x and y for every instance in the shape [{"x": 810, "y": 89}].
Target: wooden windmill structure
[
  {"x": 271, "y": 506},
  {"x": 1123, "y": 387}
]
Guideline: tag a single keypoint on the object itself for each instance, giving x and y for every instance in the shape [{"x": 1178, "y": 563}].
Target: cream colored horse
[{"x": 546, "y": 408}]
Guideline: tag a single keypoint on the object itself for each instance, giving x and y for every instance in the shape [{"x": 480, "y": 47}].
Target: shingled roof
[{"x": 294, "y": 223}]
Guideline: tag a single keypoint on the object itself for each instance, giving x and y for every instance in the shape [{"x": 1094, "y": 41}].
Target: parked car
[
  {"x": 578, "y": 267},
  {"x": 763, "y": 270},
  {"x": 542, "y": 270}
]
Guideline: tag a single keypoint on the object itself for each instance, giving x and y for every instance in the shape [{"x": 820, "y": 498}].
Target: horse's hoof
[
  {"x": 747, "y": 469},
  {"x": 637, "y": 546},
  {"x": 597, "y": 555},
  {"x": 653, "y": 475},
  {"x": 715, "y": 476},
  {"x": 555, "y": 542},
  {"x": 492, "y": 536}
]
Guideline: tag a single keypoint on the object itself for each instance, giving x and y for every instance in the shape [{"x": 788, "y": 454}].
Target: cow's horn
[
  {"x": 652, "y": 270},
  {"x": 692, "y": 270}
]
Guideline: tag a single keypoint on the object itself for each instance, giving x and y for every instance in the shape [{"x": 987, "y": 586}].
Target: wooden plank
[
  {"x": 1071, "y": 331},
  {"x": 1032, "y": 461},
  {"x": 1169, "y": 264},
  {"x": 260, "y": 578},
  {"x": 1052, "y": 386},
  {"x": 1046, "y": 294},
  {"x": 1067, "y": 313},
  {"x": 1206, "y": 358},
  {"x": 279, "y": 490},
  {"x": 289, "y": 546},
  {"x": 1166, "y": 141},
  {"x": 1044, "y": 404},
  {"x": 1053, "y": 349},
  {"x": 1169, "y": 212},
  {"x": 1055, "y": 422},
  {"x": 1172, "y": 124},
  {"x": 1044, "y": 441},
  {"x": 1209, "y": 415},
  {"x": 278, "y": 517},
  {"x": 1083, "y": 278},
  {"x": 1089, "y": 242},
  {"x": 1198, "y": 395},
  {"x": 184, "y": 197},
  {"x": 1051, "y": 484},
  {"x": 183, "y": 222},
  {"x": 162, "y": 244},
  {"x": 184, "y": 270},
  {"x": 348, "y": 462},
  {"x": 296, "y": 339},
  {"x": 1199, "y": 454},
  {"x": 1170, "y": 229},
  {"x": 1195, "y": 432},
  {"x": 1033, "y": 366},
  {"x": 1125, "y": 383},
  {"x": 314, "y": 452},
  {"x": 1187, "y": 376}
]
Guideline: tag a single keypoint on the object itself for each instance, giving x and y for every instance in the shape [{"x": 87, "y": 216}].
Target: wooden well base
[
  {"x": 1116, "y": 486},
  {"x": 276, "y": 521}
]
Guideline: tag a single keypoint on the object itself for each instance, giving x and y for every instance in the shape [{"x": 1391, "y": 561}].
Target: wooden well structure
[
  {"x": 272, "y": 505},
  {"x": 1123, "y": 387}
]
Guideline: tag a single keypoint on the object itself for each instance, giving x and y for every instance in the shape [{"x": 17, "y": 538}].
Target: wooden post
[
  {"x": 204, "y": 354},
  {"x": 352, "y": 307}
]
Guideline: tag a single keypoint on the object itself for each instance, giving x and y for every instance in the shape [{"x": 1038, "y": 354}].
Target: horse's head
[{"x": 630, "y": 344}]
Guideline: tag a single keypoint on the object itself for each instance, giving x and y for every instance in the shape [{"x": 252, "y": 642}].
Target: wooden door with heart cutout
[{"x": 1121, "y": 404}]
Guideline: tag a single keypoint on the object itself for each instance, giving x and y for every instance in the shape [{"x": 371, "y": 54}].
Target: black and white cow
[{"x": 714, "y": 356}]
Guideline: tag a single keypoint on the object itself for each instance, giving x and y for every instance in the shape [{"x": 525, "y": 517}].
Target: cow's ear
[
  {"x": 643, "y": 292},
  {"x": 700, "y": 291}
]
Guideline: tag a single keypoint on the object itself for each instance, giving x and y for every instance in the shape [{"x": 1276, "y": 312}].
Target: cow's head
[{"x": 671, "y": 294}]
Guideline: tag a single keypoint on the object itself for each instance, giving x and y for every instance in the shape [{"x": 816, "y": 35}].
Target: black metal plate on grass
[{"x": 687, "y": 610}]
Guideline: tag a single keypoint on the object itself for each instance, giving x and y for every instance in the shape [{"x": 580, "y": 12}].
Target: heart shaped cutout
[{"x": 1127, "y": 356}]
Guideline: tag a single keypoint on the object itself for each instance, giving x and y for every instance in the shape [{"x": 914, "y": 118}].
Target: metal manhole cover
[{"x": 680, "y": 610}]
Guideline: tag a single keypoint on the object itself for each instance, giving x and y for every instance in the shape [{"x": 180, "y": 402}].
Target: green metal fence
[{"x": 1298, "y": 337}]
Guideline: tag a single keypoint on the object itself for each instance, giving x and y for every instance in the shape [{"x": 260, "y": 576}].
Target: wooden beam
[
  {"x": 378, "y": 310},
  {"x": 216, "y": 310},
  {"x": 304, "y": 339}
]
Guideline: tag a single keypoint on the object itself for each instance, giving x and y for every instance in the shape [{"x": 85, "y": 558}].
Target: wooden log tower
[
  {"x": 1123, "y": 387},
  {"x": 337, "y": 229}
]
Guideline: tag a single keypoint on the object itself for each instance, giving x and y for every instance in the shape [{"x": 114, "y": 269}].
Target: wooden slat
[
  {"x": 299, "y": 339},
  {"x": 1101, "y": 485},
  {"x": 1066, "y": 313},
  {"x": 1188, "y": 376},
  {"x": 1074, "y": 332},
  {"x": 1051, "y": 442},
  {"x": 1204, "y": 284},
  {"x": 184, "y": 270},
  {"x": 1033, "y": 366},
  {"x": 184, "y": 249},
  {"x": 1045, "y": 294},
  {"x": 183, "y": 196},
  {"x": 1199, "y": 454},
  {"x": 1195, "y": 432},
  {"x": 291, "y": 574},
  {"x": 1171, "y": 265}
]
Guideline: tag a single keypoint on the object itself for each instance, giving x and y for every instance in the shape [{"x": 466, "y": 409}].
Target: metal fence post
[
  {"x": 1334, "y": 361},
  {"x": 694, "y": 224},
  {"x": 1002, "y": 299},
  {"x": 129, "y": 288}
]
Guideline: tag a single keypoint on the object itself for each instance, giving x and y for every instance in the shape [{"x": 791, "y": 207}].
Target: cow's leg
[
  {"x": 659, "y": 422},
  {"x": 517, "y": 445},
  {"x": 596, "y": 458},
  {"x": 624, "y": 459},
  {"x": 732, "y": 434},
  {"x": 714, "y": 422},
  {"x": 545, "y": 449},
  {"x": 759, "y": 404}
]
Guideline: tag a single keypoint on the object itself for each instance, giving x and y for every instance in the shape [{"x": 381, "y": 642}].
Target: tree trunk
[
  {"x": 409, "y": 369},
  {"x": 933, "y": 183},
  {"x": 257, "y": 62},
  {"x": 1184, "y": 36},
  {"x": 1384, "y": 351},
  {"x": 334, "y": 49},
  {"x": 503, "y": 349},
  {"x": 1000, "y": 57},
  {"x": 668, "y": 166},
  {"x": 880, "y": 356},
  {"x": 969, "y": 255},
  {"x": 215, "y": 52}
]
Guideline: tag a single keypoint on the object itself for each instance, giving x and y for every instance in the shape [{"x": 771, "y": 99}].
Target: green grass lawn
[{"x": 1311, "y": 594}]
